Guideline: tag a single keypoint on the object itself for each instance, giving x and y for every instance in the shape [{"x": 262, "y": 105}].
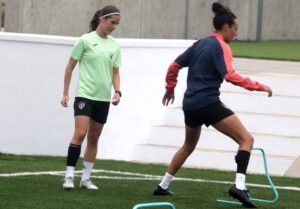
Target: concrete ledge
[
  {"x": 294, "y": 169},
  {"x": 36, "y": 38},
  {"x": 124, "y": 42}
]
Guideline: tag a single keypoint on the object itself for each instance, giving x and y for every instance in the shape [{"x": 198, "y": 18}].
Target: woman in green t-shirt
[{"x": 99, "y": 60}]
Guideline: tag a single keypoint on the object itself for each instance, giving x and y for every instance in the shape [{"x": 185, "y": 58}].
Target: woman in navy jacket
[{"x": 209, "y": 62}]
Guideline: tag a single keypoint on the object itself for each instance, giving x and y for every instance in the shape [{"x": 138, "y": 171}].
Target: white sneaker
[
  {"x": 68, "y": 183},
  {"x": 88, "y": 184}
]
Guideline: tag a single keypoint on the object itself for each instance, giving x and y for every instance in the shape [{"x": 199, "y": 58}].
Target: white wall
[
  {"x": 31, "y": 83},
  {"x": 32, "y": 121}
]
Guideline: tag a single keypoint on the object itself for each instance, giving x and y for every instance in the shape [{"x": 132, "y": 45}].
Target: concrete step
[
  {"x": 212, "y": 139},
  {"x": 211, "y": 159},
  {"x": 274, "y": 68},
  {"x": 294, "y": 169},
  {"x": 287, "y": 126},
  {"x": 260, "y": 104},
  {"x": 281, "y": 84}
]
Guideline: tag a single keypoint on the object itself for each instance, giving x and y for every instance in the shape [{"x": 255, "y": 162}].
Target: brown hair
[{"x": 104, "y": 11}]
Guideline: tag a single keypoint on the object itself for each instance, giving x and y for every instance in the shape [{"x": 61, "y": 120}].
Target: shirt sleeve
[
  {"x": 117, "y": 58},
  {"x": 219, "y": 61},
  {"x": 181, "y": 61},
  {"x": 242, "y": 81},
  {"x": 171, "y": 77},
  {"x": 233, "y": 77},
  {"x": 78, "y": 49},
  {"x": 185, "y": 58}
]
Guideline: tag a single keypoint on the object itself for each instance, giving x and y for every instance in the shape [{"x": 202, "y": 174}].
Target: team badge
[
  {"x": 81, "y": 105},
  {"x": 111, "y": 54}
]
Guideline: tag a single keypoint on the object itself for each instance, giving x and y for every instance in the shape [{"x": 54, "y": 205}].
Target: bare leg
[
  {"x": 232, "y": 127},
  {"x": 94, "y": 132},
  {"x": 81, "y": 128},
  {"x": 191, "y": 139}
]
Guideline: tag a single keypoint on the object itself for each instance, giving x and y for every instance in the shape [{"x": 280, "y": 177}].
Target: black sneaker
[
  {"x": 242, "y": 196},
  {"x": 162, "y": 192}
]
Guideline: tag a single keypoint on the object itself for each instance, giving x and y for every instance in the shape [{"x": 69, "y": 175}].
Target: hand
[
  {"x": 64, "y": 101},
  {"x": 268, "y": 90},
  {"x": 116, "y": 99},
  {"x": 169, "y": 96}
]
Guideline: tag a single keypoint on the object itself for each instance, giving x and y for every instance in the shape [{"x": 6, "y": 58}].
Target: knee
[
  {"x": 79, "y": 135},
  {"x": 94, "y": 135},
  {"x": 93, "y": 138},
  {"x": 188, "y": 148},
  {"x": 248, "y": 141},
  {"x": 92, "y": 142},
  {"x": 251, "y": 140}
]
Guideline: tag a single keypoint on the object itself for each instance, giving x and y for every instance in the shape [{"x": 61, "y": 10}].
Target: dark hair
[
  {"x": 223, "y": 15},
  {"x": 104, "y": 11}
]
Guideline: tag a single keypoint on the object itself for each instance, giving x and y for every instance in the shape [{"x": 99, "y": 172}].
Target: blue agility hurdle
[{"x": 276, "y": 196}]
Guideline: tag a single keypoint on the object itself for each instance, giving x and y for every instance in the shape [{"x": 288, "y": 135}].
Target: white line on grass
[{"x": 140, "y": 176}]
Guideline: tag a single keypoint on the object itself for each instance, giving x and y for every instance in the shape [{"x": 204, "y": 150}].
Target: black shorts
[
  {"x": 97, "y": 110},
  {"x": 208, "y": 115}
]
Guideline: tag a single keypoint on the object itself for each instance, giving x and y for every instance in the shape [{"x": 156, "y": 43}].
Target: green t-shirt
[{"x": 97, "y": 57}]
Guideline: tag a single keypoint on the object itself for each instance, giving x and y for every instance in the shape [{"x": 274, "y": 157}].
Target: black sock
[
  {"x": 73, "y": 154},
  {"x": 242, "y": 159}
]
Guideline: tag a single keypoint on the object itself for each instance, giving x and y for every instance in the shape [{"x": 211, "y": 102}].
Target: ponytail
[{"x": 95, "y": 21}]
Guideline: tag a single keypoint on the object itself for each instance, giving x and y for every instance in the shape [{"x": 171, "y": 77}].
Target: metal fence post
[
  {"x": 1, "y": 19},
  {"x": 260, "y": 10}
]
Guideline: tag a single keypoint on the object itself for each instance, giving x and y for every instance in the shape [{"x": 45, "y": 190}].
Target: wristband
[{"x": 119, "y": 92}]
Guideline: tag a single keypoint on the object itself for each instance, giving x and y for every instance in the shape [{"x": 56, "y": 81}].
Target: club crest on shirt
[
  {"x": 81, "y": 105},
  {"x": 111, "y": 54}
]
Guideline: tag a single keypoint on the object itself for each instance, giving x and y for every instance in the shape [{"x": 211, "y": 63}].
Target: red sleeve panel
[
  {"x": 232, "y": 76},
  {"x": 244, "y": 82},
  {"x": 171, "y": 77}
]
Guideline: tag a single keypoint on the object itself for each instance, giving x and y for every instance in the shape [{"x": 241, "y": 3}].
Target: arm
[
  {"x": 181, "y": 61},
  {"x": 67, "y": 79},
  {"x": 224, "y": 60},
  {"x": 246, "y": 82},
  {"x": 116, "y": 85},
  {"x": 171, "y": 79}
]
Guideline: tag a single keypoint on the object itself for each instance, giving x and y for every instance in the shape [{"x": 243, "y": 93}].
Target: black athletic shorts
[
  {"x": 208, "y": 115},
  {"x": 97, "y": 110}
]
